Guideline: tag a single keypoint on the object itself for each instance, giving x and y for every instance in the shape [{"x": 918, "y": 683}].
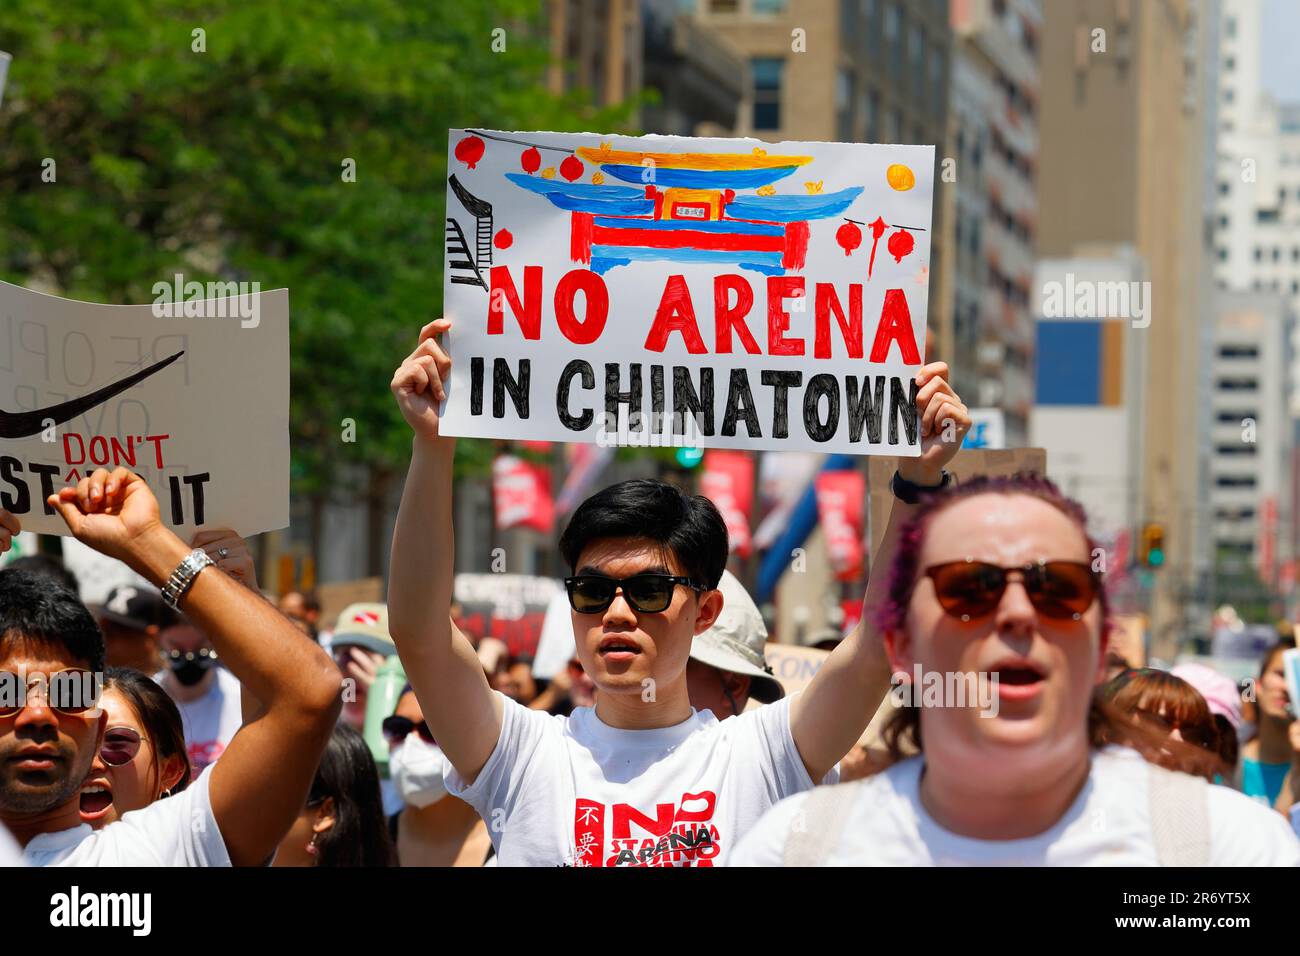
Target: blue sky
[{"x": 1280, "y": 69}]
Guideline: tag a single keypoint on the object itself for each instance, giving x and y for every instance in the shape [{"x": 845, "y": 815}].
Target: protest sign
[
  {"x": 728, "y": 481},
  {"x": 509, "y": 607},
  {"x": 338, "y": 596},
  {"x": 794, "y": 666},
  {"x": 665, "y": 290},
  {"x": 191, "y": 394}
]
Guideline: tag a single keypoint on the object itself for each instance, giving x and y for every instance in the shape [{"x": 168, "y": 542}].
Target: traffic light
[
  {"x": 689, "y": 457},
  {"x": 1152, "y": 554}
]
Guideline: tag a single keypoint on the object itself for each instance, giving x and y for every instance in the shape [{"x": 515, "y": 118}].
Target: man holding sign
[
  {"x": 641, "y": 778},
  {"x": 657, "y": 296}
]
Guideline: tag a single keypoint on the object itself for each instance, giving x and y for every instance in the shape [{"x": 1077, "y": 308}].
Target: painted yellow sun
[{"x": 900, "y": 177}]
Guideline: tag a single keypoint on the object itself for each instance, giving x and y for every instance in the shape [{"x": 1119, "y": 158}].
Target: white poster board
[
  {"x": 191, "y": 394},
  {"x": 665, "y": 290}
]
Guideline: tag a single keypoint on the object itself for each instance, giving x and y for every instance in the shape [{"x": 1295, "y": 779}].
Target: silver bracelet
[{"x": 183, "y": 577}]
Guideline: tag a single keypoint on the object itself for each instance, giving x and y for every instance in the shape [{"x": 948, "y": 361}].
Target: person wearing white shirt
[
  {"x": 995, "y": 593},
  {"x": 641, "y": 778},
  {"x": 51, "y": 726}
]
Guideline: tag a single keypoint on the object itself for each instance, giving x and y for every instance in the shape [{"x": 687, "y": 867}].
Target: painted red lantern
[
  {"x": 530, "y": 160},
  {"x": 571, "y": 168},
  {"x": 469, "y": 150},
  {"x": 901, "y": 243},
  {"x": 849, "y": 236}
]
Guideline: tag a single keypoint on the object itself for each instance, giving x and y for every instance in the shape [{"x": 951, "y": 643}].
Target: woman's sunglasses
[
  {"x": 396, "y": 729},
  {"x": 71, "y": 691},
  {"x": 645, "y": 593},
  {"x": 1060, "y": 590},
  {"x": 120, "y": 746}
]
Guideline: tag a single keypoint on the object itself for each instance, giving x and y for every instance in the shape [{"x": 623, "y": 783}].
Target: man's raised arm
[
  {"x": 260, "y": 784},
  {"x": 459, "y": 706},
  {"x": 827, "y": 719}
]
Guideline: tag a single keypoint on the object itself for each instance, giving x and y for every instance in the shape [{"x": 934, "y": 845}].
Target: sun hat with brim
[
  {"x": 1220, "y": 692},
  {"x": 735, "y": 641},
  {"x": 364, "y": 625}
]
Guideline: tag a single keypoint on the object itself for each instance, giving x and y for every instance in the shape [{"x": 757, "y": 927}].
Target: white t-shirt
[
  {"x": 573, "y": 791},
  {"x": 211, "y": 721},
  {"x": 179, "y": 830},
  {"x": 1109, "y": 824},
  {"x": 11, "y": 854}
]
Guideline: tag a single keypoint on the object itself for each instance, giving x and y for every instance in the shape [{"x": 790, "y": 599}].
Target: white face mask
[{"x": 416, "y": 769}]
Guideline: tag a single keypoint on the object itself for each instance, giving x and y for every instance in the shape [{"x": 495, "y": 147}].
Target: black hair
[
  {"x": 687, "y": 525},
  {"x": 38, "y": 608},
  {"x": 49, "y": 566},
  {"x": 347, "y": 774},
  {"x": 159, "y": 715}
]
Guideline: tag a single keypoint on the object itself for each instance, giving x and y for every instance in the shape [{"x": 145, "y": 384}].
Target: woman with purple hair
[{"x": 997, "y": 617}]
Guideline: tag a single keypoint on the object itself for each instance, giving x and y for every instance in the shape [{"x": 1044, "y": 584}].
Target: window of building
[
  {"x": 916, "y": 59},
  {"x": 1235, "y": 417},
  {"x": 938, "y": 61},
  {"x": 724, "y": 6},
  {"x": 893, "y": 126},
  {"x": 1240, "y": 450},
  {"x": 1238, "y": 352},
  {"x": 1230, "y": 27},
  {"x": 871, "y": 24},
  {"x": 1228, "y": 64},
  {"x": 768, "y": 8},
  {"x": 1237, "y": 384},
  {"x": 1235, "y": 481},
  {"x": 766, "y": 72},
  {"x": 871, "y": 103},
  {"x": 844, "y": 105},
  {"x": 1223, "y": 254},
  {"x": 894, "y": 41}
]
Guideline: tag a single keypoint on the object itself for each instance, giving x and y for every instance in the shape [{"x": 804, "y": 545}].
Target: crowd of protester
[{"x": 230, "y": 728}]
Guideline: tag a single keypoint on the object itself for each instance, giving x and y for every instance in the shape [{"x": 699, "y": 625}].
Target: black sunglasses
[
  {"x": 1061, "y": 590},
  {"x": 646, "y": 593},
  {"x": 203, "y": 653},
  {"x": 396, "y": 729}
]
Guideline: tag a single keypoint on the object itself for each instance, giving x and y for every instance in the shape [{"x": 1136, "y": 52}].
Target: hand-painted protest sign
[
  {"x": 676, "y": 291},
  {"x": 191, "y": 395}
]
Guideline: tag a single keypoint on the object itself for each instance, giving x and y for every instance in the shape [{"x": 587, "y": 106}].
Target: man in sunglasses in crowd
[
  {"x": 642, "y": 778},
  {"x": 237, "y": 811}
]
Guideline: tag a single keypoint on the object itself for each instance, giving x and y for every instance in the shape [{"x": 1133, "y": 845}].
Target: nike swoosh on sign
[{"x": 26, "y": 424}]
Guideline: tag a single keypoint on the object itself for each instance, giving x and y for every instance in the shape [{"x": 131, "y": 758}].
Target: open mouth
[
  {"x": 615, "y": 645},
  {"x": 96, "y": 800},
  {"x": 1018, "y": 676},
  {"x": 1018, "y": 679}
]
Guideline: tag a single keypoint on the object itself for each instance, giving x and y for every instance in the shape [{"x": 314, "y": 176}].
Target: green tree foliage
[{"x": 220, "y": 154}]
